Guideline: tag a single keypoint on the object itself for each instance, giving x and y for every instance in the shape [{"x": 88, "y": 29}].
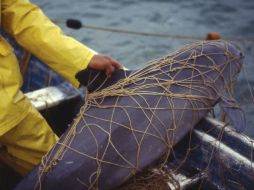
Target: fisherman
[{"x": 25, "y": 136}]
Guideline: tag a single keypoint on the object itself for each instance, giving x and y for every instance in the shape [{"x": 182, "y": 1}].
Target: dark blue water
[{"x": 230, "y": 18}]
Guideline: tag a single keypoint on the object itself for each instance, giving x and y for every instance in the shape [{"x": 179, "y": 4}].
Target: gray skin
[{"x": 77, "y": 171}]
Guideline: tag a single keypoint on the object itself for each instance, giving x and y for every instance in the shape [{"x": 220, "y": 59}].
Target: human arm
[{"x": 34, "y": 31}]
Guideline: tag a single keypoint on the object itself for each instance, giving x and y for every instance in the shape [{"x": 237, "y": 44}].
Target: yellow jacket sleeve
[{"x": 35, "y": 32}]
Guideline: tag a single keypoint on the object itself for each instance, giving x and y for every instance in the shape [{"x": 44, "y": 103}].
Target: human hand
[{"x": 102, "y": 62}]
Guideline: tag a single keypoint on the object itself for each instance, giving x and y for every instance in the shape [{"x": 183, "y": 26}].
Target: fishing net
[{"x": 135, "y": 130}]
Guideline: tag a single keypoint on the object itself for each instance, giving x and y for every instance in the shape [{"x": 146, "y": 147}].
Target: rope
[{"x": 77, "y": 24}]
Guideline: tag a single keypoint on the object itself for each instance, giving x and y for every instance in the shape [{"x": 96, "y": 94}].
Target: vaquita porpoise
[{"x": 132, "y": 119}]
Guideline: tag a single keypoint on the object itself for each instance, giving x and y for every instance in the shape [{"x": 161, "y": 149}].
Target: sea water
[{"x": 195, "y": 18}]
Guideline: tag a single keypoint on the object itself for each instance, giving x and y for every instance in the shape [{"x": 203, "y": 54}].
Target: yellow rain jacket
[{"x": 36, "y": 33}]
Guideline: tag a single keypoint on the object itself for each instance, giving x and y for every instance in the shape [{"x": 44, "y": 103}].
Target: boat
[{"x": 211, "y": 156}]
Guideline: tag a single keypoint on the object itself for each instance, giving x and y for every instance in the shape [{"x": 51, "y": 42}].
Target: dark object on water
[
  {"x": 126, "y": 126},
  {"x": 73, "y": 23}
]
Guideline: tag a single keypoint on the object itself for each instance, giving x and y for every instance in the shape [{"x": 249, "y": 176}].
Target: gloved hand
[{"x": 102, "y": 62}]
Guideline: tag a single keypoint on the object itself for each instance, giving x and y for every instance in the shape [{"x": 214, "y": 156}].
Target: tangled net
[
  {"x": 126, "y": 126},
  {"x": 156, "y": 178}
]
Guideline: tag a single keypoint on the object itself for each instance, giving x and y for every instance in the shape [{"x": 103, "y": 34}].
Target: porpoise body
[{"x": 133, "y": 118}]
